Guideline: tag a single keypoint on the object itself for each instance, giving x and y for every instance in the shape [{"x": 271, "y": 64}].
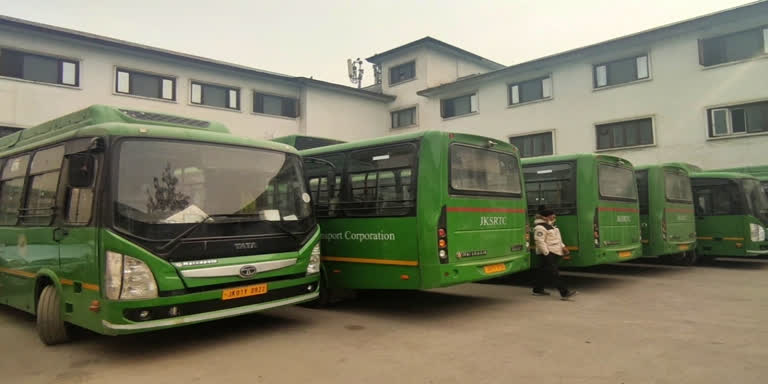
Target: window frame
[
  {"x": 30, "y": 177},
  {"x": 227, "y": 88},
  {"x": 131, "y": 72},
  {"x": 572, "y": 187},
  {"x": 296, "y": 101},
  {"x": 710, "y": 119},
  {"x": 762, "y": 31},
  {"x": 471, "y": 94},
  {"x": 411, "y": 63},
  {"x": 551, "y": 132},
  {"x": 415, "y": 122},
  {"x": 615, "y": 198},
  {"x": 596, "y": 86},
  {"x": 541, "y": 79},
  {"x": 653, "y": 143},
  {"x": 60, "y": 67}
]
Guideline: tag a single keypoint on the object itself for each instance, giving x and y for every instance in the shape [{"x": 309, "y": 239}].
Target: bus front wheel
[
  {"x": 50, "y": 326},
  {"x": 688, "y": 258}
]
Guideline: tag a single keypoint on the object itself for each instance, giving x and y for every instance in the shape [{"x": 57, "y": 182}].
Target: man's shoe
[
  {"x": 540, "y": 293},
  {"x": 568, "y": 295}
]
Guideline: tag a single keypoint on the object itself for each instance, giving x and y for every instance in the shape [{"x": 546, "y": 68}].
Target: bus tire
[
  {"x": 688, "y": 258},
  {"x": 50, "y": 325}
]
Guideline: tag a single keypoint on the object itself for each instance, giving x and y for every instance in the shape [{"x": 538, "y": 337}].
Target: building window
[
  {"x": 458, "y": 106},
  {"x": 44, "y": 69},
  {"x": 625, "y": 134},
  {"x": 538, "y": 144},
  {"x": 738, "y": 119},
  {"x": 404, "y": 117},
  {"x": 145, "y": 84},
  {"x": 402, "y": 72},
  {"x": 215, "y": 96},
  {"x": 621, "y": 71},
  {"x": 733, "y": 47},
  {"x": 275, "y": 105},
  {"x": 530, "y": 90}
]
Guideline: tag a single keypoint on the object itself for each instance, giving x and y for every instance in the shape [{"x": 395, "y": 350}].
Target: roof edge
[{"x": 428, "y": 40}]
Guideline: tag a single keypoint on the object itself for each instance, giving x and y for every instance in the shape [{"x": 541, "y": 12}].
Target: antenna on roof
[{"x": 355, "y": 70}]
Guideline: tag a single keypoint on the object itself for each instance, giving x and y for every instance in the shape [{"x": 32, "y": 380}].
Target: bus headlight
[
  {"x": 128, "y": 278},
  {"x": 314, "y": 261},
  {"x": 756, "y": 232}
]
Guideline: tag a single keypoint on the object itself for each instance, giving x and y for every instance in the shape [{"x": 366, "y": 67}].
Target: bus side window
[
  {"x": 81, "y": 171},
  {"x": 12, "y": 183},
  {"x": 44, "y": 172}
]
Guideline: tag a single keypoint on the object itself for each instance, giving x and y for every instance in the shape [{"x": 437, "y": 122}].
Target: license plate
[
  {"x": 683, "y": 247},
  {"x": 250, "y": 290},
  {"x": 494, "y": 268},
  {"x": 625, "y": 254}
]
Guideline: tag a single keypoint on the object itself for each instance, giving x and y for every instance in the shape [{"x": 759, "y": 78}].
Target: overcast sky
[{"x": 314, "y": 38}]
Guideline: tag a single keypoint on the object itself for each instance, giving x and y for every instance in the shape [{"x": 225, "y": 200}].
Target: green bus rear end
[
  {"x": 418, "y": 211},
  {"x": 124, "y": 221},
  {"x": 731, "y": 214},
  {"x": 595, "y": 199},
  {"x": 667, "y": 219}
]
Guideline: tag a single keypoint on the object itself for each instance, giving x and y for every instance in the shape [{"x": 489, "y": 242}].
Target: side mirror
[{"x": 80, "y": 170}]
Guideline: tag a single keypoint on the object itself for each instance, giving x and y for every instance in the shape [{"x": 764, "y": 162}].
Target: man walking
[{"x": 549, "y": 249}]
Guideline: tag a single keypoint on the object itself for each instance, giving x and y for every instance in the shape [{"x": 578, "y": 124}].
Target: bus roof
[
  {"x": 392, "y": 139},
  {"x": 571, "y": 157},
  {"x": 759, "y": 171},
  {"x": 720, "y": 175},
  {"x": 101, "y": 120},
  {"x": 664, "y": 165}
]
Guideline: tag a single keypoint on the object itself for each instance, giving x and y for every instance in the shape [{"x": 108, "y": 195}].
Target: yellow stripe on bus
[
  {"x": 17, "y": 272},
  {"x": 705, "y": 238},
  {"x": 91, "y": 287},
  {"x": 371, "y": 261},
  {"x": 733, "y": 238}
]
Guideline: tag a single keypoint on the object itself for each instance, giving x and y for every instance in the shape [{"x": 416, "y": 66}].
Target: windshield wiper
[
  {"x": 192, "y": 228},
  {"x": 278, "y": 225}
]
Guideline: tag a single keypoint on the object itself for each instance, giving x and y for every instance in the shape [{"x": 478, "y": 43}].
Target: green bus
[
  {"x": 595, "y": 199},
  {"x": 731, "y": 214},
  {"x": 418, "y": 211},
  {"x": 667, "y": 220},
  {"x": 122, "y": 221},
  {"x": 301, "y": 142}
]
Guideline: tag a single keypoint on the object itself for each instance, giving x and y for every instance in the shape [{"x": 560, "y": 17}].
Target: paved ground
[{"x": 632, "y": 323}]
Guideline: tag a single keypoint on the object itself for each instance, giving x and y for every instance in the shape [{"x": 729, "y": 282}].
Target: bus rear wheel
[
  {"x": 50, "y": 325},
  {"x": 688, "y": 258}
]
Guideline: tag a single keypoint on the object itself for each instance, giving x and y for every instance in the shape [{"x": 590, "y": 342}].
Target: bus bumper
[
  {"x": 116, "y": 322},
  {"x": 468, "y": 271}
]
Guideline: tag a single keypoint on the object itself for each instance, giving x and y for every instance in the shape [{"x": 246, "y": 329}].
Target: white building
[{"x": 692, "y": 91}]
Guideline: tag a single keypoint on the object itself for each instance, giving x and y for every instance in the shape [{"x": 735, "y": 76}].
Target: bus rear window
[
  {"x": 616, "y": 183},
  {"x": 678, "y": 187},
  {"x": 483, "y": 171},
  {"x": 551, "y": 185}
]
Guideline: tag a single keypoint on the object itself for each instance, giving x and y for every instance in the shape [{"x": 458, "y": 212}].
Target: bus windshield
[
  {"x": 616, "y": 183},
  {"x": 756, "y": 200},
  {"x": 162, "y": 187},
  {"x": 678, "y": 187},
  {"x": 477, "y": 170}
]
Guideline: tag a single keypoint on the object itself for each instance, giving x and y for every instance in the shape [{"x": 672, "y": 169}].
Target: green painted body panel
[
  {"x": 678, "y": 217},
  {"x": 75, "y": 262},
  {"x": 618, "y": 221},
  {"x": 727, "y": 235},
  {"x": 411, "y": 254}
]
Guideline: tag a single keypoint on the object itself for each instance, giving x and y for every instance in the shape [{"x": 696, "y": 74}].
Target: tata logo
[
  {"x": 623, "y": 219},
  {"x": 492, "y": 220},
  {"x": 247, "y": 271},
  {"x": 248, "y": 245}
]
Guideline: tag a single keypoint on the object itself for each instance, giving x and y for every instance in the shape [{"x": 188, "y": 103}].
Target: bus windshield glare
[
  {"x": 164, "y": 186},
  {"x": 616, "y": 183},
  {"x": 678, "y": 187},
  {"x": 484, "y": 171},
  {"x": 756, "y": 200}
]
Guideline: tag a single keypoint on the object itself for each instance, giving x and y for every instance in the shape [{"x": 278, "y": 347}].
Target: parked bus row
[{"x": 123, "y": 221}]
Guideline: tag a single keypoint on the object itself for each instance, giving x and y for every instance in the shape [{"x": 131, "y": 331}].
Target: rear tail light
[
  {"x": 664, "y": 226},
  {"x": 442, "y": 238},
  {"x": 596, "y": 228},
  {"x": 527, "y": 236}
]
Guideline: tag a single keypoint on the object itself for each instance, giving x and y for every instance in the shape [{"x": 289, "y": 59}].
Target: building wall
[
  {"x": 25, "y": 104},
  {"x": 677, "y": 97},
  {"x": 344, "y": 117}
]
